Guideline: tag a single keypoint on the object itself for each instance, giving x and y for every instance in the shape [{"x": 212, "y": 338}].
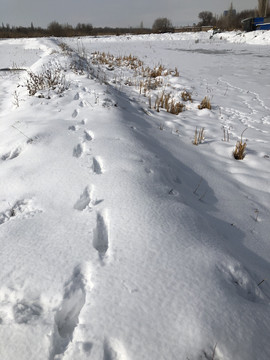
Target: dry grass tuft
[
  {"x": 165, "y": 101},
  {"x": 157, "y": 71},
  {"x": 205, "y": 104},
  {"x": 175, "y": 108},
  {"x": 186, "y": 96},
  {"x": 240, "y": 148}
]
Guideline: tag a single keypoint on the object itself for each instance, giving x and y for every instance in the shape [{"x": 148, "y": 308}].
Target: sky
[{"x": 113, "y": 13}]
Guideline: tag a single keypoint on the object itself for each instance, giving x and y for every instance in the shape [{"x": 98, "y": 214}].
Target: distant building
[
  {"x": 227, "y": 12},
  {"x": 259, "y": 23}
]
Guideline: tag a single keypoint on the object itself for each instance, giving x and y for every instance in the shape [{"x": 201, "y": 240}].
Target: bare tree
[
  {"x": 162, "y": 25},
  {"x": 206, "y": 17}
]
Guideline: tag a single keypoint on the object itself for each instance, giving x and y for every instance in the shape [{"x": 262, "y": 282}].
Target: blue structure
[{"x": 258, "y": 23}]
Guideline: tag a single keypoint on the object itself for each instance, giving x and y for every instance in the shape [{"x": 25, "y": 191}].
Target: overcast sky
[{"x": 114, "y": 13}]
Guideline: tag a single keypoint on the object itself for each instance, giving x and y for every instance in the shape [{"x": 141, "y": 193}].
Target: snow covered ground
[{"x": 120, "y": 238}]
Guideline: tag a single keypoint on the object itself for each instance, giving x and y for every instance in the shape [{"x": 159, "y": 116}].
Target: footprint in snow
[
  {"x": 83, "y": 103},
  {"x": 75, "y": 113},
  {"x": 97, "y": 168},
  {"x": 25, "y": 312},
  {"x": 74, "y": 128},
  {"x": 85, "y": 200},
  {"x": 21, "y": 208},
  {"x": 113, "y": 349},
  {"x": 101, "y": 236},
  {"x": 67, "y": 316},
  {"x": 246, "y": 287},
  {"x": 12, "y": 154},
  {"x": 88, "y": 135},
  {"x": 77, "y": 96},
  {"x": 78, "y": 150}
]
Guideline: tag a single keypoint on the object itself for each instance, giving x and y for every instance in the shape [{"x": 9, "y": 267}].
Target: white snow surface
[{"x": 120, "y": 239}]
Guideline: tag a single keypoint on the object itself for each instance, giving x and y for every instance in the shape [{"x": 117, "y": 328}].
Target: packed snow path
[{"x": 120, "y": 239}]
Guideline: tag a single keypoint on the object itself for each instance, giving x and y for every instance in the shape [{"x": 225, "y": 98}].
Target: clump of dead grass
[
  {"x": 186, "y": 96},
  {"x": 167, "y": 102},
  {"x": 239, "y": 152},
  {"x": 50, "y": 78},
  {"x": 205, "y": 104}
]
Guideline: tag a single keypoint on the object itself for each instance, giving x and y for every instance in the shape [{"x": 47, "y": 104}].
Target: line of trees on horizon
[
  {"x": 66, "y": 30},
  {"x": 230, "y": 20}
]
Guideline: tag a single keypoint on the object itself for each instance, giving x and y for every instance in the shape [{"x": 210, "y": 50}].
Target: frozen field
[{"x": 120, "y": 239}]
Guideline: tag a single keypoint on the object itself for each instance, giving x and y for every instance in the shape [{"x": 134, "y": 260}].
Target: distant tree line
[
  {"x": 66, "y": 30},
  {"x": 229, "y": 20}
]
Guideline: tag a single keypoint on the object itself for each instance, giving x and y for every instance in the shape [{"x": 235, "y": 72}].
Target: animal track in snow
[
  {"x": 20, "y": 207},
  {"x": 78, "y": 150},
  {"x": 97, "y": 168},
  {"x": 75, "y": 113},
  {"x": 114, "y": 350},
  {"x": 67, "y": 317},
  {"x": 101, "y": 236},
  {"x": 246, "y": 287},
  {"x": 12, "y": 154}
]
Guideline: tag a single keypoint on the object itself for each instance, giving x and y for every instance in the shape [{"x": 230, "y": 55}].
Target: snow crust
[{"x": 120, "y": 239}]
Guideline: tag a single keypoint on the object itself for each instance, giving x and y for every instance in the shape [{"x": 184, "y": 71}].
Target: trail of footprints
[
  {"x": 67, "y": 317},
  {"x": 76, "y": 289},
  {"x": 100, "y": 234}
]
